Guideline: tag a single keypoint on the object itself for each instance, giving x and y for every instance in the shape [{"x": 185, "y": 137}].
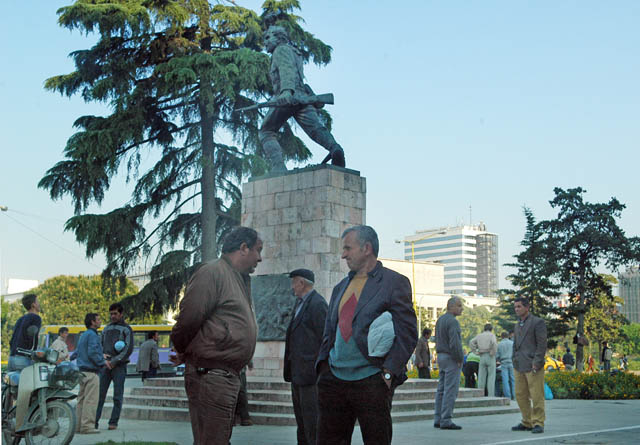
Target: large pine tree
[{"x": 172, "y": 73}]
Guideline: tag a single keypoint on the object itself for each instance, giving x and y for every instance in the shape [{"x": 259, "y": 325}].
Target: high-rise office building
[
  {"x": 469, "y": 255},
  {"x": 629, "y": 286}
]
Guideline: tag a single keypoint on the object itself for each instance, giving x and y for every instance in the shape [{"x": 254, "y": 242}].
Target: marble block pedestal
[{"x": 300, "y": 216}]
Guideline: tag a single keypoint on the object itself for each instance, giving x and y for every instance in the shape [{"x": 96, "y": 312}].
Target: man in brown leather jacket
[{"x": 215, "y": 334}]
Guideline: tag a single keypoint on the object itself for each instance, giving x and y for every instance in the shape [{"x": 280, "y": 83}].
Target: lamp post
[{"x": 413, "y": 268}]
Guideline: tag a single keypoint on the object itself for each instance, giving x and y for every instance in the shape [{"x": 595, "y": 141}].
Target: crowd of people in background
[{"x": 344, "y": 359}]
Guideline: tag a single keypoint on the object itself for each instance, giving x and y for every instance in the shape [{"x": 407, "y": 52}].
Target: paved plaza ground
[{"x": 568, "y": 422}]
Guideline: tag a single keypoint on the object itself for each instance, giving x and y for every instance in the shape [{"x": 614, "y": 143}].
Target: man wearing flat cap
[{"x": 302, "y": 343}]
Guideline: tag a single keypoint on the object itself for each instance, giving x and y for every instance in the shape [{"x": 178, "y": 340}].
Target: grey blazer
[
  {"x": 529, "y": 344},
  {"x": 148, "y": 356}
]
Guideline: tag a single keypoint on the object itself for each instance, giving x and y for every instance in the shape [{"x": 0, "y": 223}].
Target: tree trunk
[
  {"x": 209, "y": 215},
  {"x": 580, "y": 348},
  {"x": 208, "y": 185}
]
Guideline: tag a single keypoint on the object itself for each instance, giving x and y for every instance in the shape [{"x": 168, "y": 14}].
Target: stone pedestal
[{"x": 300, "y": 216}]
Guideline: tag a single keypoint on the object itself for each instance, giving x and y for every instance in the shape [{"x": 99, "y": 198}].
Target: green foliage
[
  {"x": 535, "y": 268},
  {"x": 628, "y": 342},
  {"x": 580, "y": 385},
  {"x": 602, "y": 321},
  {"x": 10, "y": 314},
  {"x": 584, "y": 237},
  {"x": 472, "y": 322},
  {"x": 172, "y": 73},
  {"x": 65, "y": 300}
]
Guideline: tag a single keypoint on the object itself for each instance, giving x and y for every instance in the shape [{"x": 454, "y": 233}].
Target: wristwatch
[{"x": 387, "y": 376}]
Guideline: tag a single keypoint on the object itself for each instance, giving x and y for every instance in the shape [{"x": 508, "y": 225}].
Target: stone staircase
[{"x": 165, "y": 399}]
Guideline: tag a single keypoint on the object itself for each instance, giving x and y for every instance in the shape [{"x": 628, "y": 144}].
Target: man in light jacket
[{"x": 486, "y": 346}]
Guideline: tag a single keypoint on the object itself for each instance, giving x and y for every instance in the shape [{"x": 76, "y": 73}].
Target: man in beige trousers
[
  {"x": 485, "y": 345},
  {"x": 529, "y": 347},
  {"x": 90, "y": 359}
]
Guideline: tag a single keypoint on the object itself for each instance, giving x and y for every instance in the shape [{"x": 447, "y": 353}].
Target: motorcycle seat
[{"x": 14, "y": 378}]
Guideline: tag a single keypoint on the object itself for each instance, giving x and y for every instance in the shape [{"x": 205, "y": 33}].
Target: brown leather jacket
[{"x": 216, "y": 327}]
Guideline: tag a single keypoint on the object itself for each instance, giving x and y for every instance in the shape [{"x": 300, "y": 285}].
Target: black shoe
[
  {"x": 453, "y": 426},
  {"x": 436, "y": 425},
  {"x": 521, "y": 427},
  {"x": 537, "y": 429}
]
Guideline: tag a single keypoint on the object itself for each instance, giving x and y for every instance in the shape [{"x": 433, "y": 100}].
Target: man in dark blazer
[
  {"x": 302, "y": 343},
  {"x": 529, "y": 348},
  {"x": 354, "y": 382}
]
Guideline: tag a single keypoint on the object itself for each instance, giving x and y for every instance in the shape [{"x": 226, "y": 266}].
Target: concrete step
[
  {"x": 273, "y": 407},
  {"x": 165, "y": 399}
]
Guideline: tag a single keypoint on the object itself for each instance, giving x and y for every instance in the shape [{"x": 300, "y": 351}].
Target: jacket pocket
[{"x": 216, "y": 331}]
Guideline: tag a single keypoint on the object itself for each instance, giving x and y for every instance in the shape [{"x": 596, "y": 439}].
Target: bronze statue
[{"x": 292, "y": 98}]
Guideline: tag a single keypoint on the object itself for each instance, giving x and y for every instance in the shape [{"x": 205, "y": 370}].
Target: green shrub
[{"x": 577, "y": 385}]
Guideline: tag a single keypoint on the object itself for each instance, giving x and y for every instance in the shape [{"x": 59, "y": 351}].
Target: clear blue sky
[{"x": 440, "y": 105}]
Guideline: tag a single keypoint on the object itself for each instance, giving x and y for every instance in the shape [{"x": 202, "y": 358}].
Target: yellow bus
[{"x": 49, "y": 333}]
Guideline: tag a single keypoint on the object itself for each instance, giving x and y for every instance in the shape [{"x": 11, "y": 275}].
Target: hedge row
[{"x": 589, "y": 386}]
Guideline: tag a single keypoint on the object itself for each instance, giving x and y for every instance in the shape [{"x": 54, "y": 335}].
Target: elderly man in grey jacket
[
  {"x": 148, "y": 357},
  {"x": 450, "y": 356}
]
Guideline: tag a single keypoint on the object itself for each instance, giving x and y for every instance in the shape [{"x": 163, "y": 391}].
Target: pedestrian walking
[
  {"x": 148, "y": 357},
  {"x": 568, "y": 360},
  {"x": 505, "y": 358},
  {"x": 607, "y": 355},
  {"x": 423, "y": 355},
  {"x": 450, "y": 356},
  {"x": 485, "y": 345}
]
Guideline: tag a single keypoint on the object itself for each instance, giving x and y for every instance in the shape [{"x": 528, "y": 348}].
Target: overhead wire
[{"x": 47, "y": 239}]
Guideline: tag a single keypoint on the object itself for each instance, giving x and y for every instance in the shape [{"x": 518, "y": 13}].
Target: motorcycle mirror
[{"x": 32, "y": 331}]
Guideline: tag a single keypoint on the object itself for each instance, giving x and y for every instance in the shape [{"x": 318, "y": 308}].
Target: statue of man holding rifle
[{"x": 292, "y": 98}]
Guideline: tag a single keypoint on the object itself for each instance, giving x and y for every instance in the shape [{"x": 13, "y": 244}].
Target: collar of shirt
[{"x": 301, "y": 301}]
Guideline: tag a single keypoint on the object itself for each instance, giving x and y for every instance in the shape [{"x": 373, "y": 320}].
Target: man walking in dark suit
[
  {"x": 529, "y": 347},
  {"x": 354, "y": 381},
  {"x": 302, "y": 344}
]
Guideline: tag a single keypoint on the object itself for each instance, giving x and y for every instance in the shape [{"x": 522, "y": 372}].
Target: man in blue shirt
[
  {"x": 505, "y": 357},
  {"x": 20, "y": 338},
  {"x": 90, "y": 360}
]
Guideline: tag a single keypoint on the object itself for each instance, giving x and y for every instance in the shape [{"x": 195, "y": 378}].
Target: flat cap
[{"x": 304, "y": 273}]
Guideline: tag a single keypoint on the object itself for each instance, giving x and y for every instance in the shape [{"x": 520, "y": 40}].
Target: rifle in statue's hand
[{"x": 317, "y": 100}]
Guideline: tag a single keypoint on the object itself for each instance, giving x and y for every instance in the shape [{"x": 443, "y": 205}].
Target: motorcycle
[{"x": 35, "y": 400}]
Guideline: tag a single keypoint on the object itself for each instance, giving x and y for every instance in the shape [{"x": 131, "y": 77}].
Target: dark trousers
[
  {"x": 470, "y": 370},
  {"x": 242, "y": 407},
  {"x": 117, "y": 375},
  {"x": 212, "y": 403},
  {"x": 305, "y": 407},
  {"x": 151, "y": 373},
  {"x": 424, "y": 373},
  {"x": 341, "y": 403}
]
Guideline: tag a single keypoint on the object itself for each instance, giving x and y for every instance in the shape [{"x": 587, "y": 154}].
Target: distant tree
[
  {"x": 629, "y": 340},
  {"x": 584, "y": 237},
  {"x": 534, "y": 278},
  {"x": 66, "y": 300},
  {"x": 10, "y": 314},
  {"x": 602, "y": 321},
  {"x": 173, "y": 73},
  {"x": 472, "y": 322}
]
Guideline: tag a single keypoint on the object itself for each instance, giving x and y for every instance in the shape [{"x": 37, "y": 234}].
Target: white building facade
[{"x": 469, "y": 255}]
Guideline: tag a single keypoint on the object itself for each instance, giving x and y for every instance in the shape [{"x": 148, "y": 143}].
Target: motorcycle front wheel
[{"x": 59, "y": 428}]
